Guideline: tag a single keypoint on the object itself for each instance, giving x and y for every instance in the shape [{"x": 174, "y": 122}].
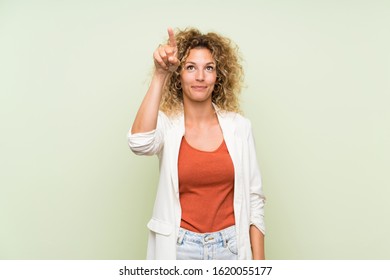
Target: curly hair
[{"x": 228, "y": 66}]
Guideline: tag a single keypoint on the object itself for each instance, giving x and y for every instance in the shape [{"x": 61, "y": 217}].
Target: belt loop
[
  {"x": 180, "y": 237},
  {"x": 224, "y": 239}
]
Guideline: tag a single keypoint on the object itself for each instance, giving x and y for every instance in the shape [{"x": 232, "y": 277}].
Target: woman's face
[{"x": 198, "y": 76}]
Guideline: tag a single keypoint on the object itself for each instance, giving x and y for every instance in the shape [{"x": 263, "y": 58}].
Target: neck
[{"x": 199, "y": 113}]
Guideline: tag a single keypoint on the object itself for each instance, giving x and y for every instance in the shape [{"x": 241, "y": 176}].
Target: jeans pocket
[{"x": 232, "y": 245}]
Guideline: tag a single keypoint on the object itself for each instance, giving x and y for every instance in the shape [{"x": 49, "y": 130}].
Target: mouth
[{"x": 199, "y": 87}]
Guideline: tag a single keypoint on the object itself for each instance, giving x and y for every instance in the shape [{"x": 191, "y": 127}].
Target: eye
[
  {"x": 190, "y": 67},
  {"x": 210, "y": 68}
]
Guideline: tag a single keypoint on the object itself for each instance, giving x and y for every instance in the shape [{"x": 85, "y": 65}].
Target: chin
[{"x": 200, "y": 99}]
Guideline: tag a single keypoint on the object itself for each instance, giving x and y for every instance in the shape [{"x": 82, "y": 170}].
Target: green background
[{"x": 73, "y": 73}]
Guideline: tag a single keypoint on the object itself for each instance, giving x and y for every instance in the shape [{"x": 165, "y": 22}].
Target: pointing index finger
[{"x": 172, "y": 40}]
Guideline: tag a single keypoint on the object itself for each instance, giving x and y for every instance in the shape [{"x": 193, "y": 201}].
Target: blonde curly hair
[{"x": 228, "y": 66}]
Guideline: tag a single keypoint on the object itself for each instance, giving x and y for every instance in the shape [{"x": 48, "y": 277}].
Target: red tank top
[{"x": 206, "y": 186}]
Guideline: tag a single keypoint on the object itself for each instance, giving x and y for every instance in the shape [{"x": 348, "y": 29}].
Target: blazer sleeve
[
  {"x": 151, "y": 142},
  {"x": 257, "y": 198}
]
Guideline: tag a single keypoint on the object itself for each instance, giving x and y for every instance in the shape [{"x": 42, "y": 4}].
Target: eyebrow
[{"x": 190, "y": 62}]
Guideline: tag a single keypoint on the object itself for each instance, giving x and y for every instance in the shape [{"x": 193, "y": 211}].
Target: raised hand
[{"x": 165, "y": 56}]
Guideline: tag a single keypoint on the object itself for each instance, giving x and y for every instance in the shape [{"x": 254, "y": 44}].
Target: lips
[{"x": 199, "y": 87}]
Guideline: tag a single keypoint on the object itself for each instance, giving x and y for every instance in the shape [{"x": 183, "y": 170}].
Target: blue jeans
[{"x": 220, "y": 245}]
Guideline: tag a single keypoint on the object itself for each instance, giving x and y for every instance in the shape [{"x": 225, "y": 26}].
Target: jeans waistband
[{"x": 206, "y": 238}]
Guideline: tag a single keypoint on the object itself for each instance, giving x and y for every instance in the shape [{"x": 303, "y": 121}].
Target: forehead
[{"x": 200, "y": 55}]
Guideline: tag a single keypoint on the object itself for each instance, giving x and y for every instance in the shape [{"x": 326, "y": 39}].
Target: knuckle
[
  {"x": 163, "y": 54},
  {"x": 169, "y": 50}
]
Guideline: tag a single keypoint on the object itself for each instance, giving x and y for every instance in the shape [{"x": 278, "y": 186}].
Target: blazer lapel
[
  {"x": 176, "y": 142},
  {"x": 228, "y": 130}
]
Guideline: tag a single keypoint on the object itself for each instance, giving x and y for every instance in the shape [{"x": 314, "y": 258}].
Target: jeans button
[{"x": 208, "y": 238}]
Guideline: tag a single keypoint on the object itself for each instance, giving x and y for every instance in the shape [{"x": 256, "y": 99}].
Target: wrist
[{"x": 161, "y": 74}]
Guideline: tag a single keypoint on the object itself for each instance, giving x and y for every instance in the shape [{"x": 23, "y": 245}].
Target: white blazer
[{"x": 248, "y": 202}]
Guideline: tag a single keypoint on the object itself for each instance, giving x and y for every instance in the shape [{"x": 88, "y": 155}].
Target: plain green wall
[{"x": 73, "y": 73}]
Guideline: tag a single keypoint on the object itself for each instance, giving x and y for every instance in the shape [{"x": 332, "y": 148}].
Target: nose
[{"x": 199, "y": 76}]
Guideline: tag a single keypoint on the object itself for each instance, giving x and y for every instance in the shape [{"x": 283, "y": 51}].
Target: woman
[{"x": 209, "y": 201}]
